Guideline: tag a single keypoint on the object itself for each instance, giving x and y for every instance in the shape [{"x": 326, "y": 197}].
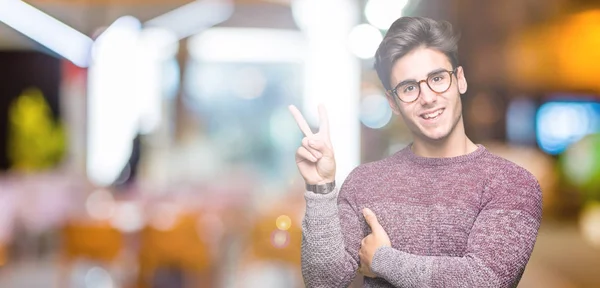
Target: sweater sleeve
[
  {"x": 498, "y": 248},
  {"x": 331, "y": 235}
]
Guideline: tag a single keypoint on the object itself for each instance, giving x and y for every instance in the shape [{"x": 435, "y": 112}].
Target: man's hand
[
  {"x": 314, "y": 157},
  {"x": 370, "y": 244}
]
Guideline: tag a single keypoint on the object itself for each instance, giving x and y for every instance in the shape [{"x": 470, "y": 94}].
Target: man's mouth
[{"x": 432, "y": 115}]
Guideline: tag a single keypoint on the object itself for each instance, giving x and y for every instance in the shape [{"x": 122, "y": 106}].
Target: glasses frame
[{"x": 426, "y": 80}]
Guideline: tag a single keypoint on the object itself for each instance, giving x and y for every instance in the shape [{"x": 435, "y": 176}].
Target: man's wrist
[
  {"x": 324, "y": 188},
  {"x": 380, "y": 255}
]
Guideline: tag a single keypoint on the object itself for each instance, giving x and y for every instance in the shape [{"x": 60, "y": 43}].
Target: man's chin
[{"x": 434, "y": 136}]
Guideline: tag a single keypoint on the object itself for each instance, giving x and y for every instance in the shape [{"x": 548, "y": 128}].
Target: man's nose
[{"x": 427, "y": 95}]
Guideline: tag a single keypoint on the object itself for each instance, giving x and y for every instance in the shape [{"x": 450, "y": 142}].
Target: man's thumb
[{"x": 371, "y": 220}]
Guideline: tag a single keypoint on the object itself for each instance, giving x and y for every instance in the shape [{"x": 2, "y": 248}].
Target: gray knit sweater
[{"x": 466, "y": 221}]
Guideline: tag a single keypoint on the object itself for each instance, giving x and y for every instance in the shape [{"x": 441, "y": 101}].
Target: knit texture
[{"x": 465, "y": 221}]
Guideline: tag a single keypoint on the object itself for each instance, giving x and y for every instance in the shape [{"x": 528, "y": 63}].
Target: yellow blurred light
[
  {"x": 36, "y": 141},
  {"x": 590, "y": 224},
  {"x": 283, "y": 222},
  {"x": 578, "y": 49},
  {"x": 562, "y": 55}
]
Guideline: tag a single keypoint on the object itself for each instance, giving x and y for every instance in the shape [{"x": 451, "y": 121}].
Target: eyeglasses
[{"x": 438, "y": 82}]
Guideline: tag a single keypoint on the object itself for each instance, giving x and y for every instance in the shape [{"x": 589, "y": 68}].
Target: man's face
[{"x": 423, "y": 116}]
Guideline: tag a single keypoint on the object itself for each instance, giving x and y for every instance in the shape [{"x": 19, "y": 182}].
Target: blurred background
[{"x": 148, "y": 143}]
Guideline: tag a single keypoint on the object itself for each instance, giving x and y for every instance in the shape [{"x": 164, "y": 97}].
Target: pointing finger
[{"x": 300, "y": 121}]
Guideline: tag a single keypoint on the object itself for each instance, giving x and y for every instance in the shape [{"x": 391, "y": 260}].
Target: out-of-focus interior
[{"x": 148, "y": 143}]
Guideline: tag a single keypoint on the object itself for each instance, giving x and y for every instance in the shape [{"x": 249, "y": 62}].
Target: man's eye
[
  {"x": 409, "y": 88},
  {"x": 438, "y": 78}
]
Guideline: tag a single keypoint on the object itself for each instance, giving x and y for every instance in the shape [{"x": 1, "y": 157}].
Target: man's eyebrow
[
  {"x": 428, "y": 74},
  {"x": 436, "y": 71}
]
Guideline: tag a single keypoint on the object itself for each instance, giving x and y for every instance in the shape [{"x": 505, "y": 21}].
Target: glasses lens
[
  {"x": 408, "y": 92},
  {"x": 439, "y": 82}
]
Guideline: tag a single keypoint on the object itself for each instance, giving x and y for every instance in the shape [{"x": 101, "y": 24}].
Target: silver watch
[{"x": 321, "y": 189}]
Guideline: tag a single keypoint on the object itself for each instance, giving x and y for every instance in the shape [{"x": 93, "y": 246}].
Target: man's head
[{"x": 417, "y": 63}]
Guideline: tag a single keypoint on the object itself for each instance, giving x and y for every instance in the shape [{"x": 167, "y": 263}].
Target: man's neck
[{"x": 456, "y": 144}]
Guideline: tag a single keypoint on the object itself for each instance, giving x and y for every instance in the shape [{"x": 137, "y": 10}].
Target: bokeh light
[
  {"x": 283, "y": 222},
  {"x": 382, "y": 13},
  {"x": 590, "y": 224},
  {"x": 164, "y": 216},
  {"x": 364, "y": 40},
  {"x": 249, "y": 83},
  {"x": 375, "y": 111},
  {"x": 581, "y": 165},
  {"x": 100, "y": 204},
  {"x": 578, "y": 163},
  {"x": 98, "y": 278},
  {"x": 128, "y": 217},
  {"x": 560, "y": 124},
  {"x": 280, "y": 239},
  {"x": 520, "y": 121}
]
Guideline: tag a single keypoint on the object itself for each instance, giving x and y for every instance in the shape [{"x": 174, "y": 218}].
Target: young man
[{"x": 443, "y": 211}]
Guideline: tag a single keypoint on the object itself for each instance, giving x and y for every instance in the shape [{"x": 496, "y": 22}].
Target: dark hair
[{"x": 409, "y": 33}]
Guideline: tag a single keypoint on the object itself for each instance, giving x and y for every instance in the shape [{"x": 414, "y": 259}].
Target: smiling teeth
[{"x": 433, "y": 115}]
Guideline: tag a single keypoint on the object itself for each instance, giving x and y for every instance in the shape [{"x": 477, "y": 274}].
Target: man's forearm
[
  {"x": 496, "y": 256},
  {"x": 325, "y": 261},
  {"x": 408, "y": 270}
]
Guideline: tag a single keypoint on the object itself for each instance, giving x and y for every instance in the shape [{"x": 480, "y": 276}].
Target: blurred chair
[
  {"x": 3, "y": 254},
  {"x": 272, "y": 252},
  {"x": 95, "y": 241},
  {"x": 177, "y": 249},
  {"x": 267, "y": 242}
]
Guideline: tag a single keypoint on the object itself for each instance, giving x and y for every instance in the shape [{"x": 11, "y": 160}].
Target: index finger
[
  {"x": 323, "y": 120},
  {"x": 300, "y": 121}
]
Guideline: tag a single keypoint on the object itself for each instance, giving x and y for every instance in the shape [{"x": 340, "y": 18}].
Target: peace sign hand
[{"x": 315, "y": 158}]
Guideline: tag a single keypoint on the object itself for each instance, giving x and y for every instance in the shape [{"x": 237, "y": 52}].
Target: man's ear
[
  {"x": 462, "y": 81},
  {"x": 393, "y": 102}
]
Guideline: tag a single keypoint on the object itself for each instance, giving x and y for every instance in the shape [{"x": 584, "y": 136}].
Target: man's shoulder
[
  {"x": 500, "y": 167},
  {"x": 511, "y": 185},
  {"x": 509, "y": 176}
]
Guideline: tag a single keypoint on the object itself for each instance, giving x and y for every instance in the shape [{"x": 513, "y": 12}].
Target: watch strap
[{"x": 321, "y": 188}]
